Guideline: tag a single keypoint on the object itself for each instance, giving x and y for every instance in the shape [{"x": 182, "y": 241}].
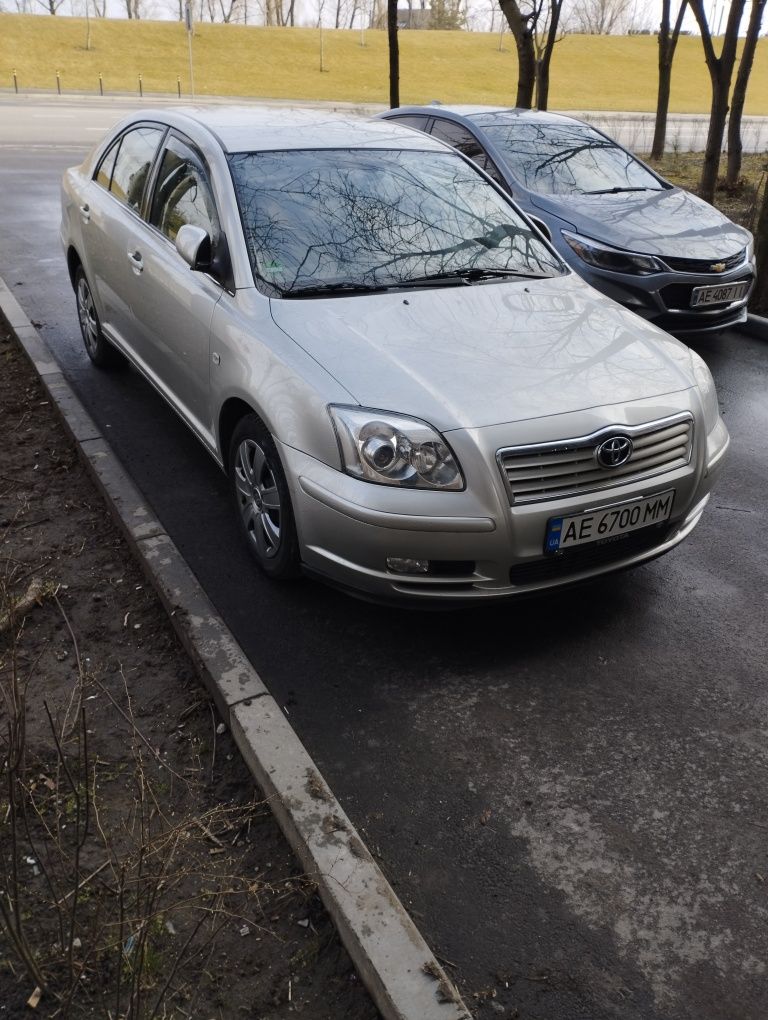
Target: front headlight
[
  {"x": 390, "y": 449},
  {"x": 706, "y": 387},
  {"x": 613, "y": 259}
]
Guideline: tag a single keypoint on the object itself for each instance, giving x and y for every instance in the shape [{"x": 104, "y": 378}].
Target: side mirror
[
  {"x": 194, "y": 246},
  {"x": 539, "y": 224}
]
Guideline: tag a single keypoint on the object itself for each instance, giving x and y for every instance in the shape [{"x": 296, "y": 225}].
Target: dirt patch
[{"x": 141, "y": 872}]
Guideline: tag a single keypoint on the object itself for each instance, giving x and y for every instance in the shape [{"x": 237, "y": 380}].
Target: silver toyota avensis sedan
[{"x": 411, "y": 393}]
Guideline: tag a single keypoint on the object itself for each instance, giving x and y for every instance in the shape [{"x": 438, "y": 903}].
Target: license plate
[
  {"x": 607, "y": 523},
  {"x": 718, "y": 295}
]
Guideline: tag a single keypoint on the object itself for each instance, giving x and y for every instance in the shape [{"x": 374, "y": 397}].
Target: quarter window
[
  {"x": 182, "y": 194},
  {"x": 134, "y": 160}
]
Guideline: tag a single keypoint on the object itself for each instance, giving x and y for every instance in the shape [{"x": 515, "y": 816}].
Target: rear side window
[
  {"x": 134, "y": 160},
  {"x": 463, "y": 140},
  {"x": 107, "y": 165},
  {"x": 411, "y": 121},
  {"x": 182, "y": 194}
]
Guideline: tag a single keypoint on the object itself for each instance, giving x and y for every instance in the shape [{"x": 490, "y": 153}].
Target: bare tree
[
  {"x": 760, "y": 296},
  {"x": 534, "y": 25},
  {"x": 667, "y": 45},
  {"x": 545, "y": 35},
  {"x": 602, "y": 17},
  {"x": 740, "y": 92},
  {"x": 133, "y": 8},
  {"x": 394, "y": 55},
  {"x": 720, "y": 74},
  {"x": 519, "y": 22},
  {"x": 51, "y": 6}
]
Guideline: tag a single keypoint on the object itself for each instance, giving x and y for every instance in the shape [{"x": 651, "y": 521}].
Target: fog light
[{"x": 399, "y": 565}]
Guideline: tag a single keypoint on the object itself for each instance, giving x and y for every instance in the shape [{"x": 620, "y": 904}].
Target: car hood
[
  {"x": 670, "y": 222},
  {"x": 468, "y": 357}
]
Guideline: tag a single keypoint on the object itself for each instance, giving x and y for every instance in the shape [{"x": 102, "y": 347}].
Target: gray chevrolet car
[{"x": 657, "y": 249}]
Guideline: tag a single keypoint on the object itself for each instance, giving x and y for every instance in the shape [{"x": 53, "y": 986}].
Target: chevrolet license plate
[{"x": 718, "y": 295}]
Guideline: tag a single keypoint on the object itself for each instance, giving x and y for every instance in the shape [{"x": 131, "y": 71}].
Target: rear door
[{"x": 114, "y": 227}]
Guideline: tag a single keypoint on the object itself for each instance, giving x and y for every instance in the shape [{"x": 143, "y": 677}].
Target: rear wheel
[
  {"x": 262, "y": 499},
  {"x": 100, "y": 350}
]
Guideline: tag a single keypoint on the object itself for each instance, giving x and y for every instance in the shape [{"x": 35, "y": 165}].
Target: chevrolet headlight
[
  {"x": 391, "y": 449},
  {"x": 706, "y": 387},
  {"x": 616, "y": 260}
]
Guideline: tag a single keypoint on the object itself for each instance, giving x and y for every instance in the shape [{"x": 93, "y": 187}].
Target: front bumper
[
  {"x": 664, "y": 298},
  {"x": 479, "y": 546}
]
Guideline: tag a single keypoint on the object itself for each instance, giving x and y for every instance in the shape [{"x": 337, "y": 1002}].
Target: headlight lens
[
  {"x": 392, "y": 449},
  {"x": 706, "y": 387},
  {"x": 613, "y": 259}
]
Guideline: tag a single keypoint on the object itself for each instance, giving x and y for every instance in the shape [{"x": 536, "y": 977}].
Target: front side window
[
  {"x": 566, "y": 158},
  {"x": 134, "y": 160},
  {"x": 370, "y": 219},
  {"x": 182, "y": 194}
]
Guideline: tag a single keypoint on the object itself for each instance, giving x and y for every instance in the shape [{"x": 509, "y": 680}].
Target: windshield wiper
[
  {"x": 468, "y": 276},
  {"x": 618, "y": 191},
  {"x": 329, "y": 289}
]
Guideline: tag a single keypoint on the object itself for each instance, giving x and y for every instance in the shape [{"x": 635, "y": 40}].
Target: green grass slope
[{"x": 588, "y": 72}]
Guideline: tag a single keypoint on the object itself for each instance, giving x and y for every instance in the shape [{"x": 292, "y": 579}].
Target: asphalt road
[{"x": 569, "y": 793}]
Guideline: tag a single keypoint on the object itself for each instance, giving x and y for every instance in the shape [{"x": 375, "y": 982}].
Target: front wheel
[
  {"x": 100, "y": 350},
  {"x": 262, "y": 500}
]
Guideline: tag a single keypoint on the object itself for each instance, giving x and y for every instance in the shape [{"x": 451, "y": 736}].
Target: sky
[{"x": 647, "y": 13}]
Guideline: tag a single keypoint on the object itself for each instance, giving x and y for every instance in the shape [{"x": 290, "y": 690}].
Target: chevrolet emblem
[{"x": 717, "y": 267}]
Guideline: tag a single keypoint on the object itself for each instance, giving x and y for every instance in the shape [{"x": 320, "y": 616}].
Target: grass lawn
[{"x": 588, "y": 72}]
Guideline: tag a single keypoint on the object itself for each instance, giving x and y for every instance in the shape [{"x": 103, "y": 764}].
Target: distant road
[{"x": 79, "y": 121}]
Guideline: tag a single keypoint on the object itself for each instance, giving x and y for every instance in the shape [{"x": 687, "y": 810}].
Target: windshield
[
  {"x": 560, "y": 159},
  {"x": 354, "y": 220}
]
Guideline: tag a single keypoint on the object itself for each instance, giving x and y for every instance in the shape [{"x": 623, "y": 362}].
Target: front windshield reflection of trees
[
  {"x": 369, "y": 219},
  {"x": 566, "y": 159}
]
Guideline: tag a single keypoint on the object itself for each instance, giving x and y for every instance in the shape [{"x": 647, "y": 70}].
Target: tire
[
  {"x": 262, "y": 500},
  {"x": 99, "y": 349}
]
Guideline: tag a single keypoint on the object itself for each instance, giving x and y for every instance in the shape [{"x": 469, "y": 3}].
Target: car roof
[
  {"x": 254, "y": 129},
  {"x": 457, "y": 111}
]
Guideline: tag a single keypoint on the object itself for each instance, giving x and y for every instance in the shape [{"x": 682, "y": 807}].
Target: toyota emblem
[{"x": 614, "y": 452}]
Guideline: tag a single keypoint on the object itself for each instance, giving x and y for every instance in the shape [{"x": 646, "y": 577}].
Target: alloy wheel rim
[
  {"x": 258, "y": 498},
  {"x": 87, "y": 315}
]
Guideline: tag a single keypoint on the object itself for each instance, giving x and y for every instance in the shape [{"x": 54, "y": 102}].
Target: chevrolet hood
[
  {"x": 670, "y": 222},
  {"x": 472, "y": 356}
]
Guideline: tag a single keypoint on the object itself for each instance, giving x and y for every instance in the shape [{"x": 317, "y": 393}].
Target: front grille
[
  {"x": 553, "y": 470},
  {"x": 705, "y": 265},
  {"x": 589, "y": 557}
]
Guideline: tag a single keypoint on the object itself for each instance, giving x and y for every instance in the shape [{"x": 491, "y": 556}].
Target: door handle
[
  {"x": 137, "y": 262},
  {"x": 85, "y": 212}
]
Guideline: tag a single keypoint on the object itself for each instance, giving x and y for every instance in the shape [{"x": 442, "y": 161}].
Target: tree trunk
[
  {"x": 394, "y": 55},
  {"x": 740, "y": 93},
  {"x": 545, "y": 59},
  {"x": 760, "y": 295},
  {"x": 526, "y": 56},
  {"x": 667, "y": 47},
  {"x": 720, "y": 73}
]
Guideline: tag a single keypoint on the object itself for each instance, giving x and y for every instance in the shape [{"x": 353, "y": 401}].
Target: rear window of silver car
[{"x": 367, "y": 218}]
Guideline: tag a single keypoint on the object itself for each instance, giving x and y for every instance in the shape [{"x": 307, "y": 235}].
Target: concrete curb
[
  {"x": 756, "y": 326},
  {"x": 399, "y": 970}
]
